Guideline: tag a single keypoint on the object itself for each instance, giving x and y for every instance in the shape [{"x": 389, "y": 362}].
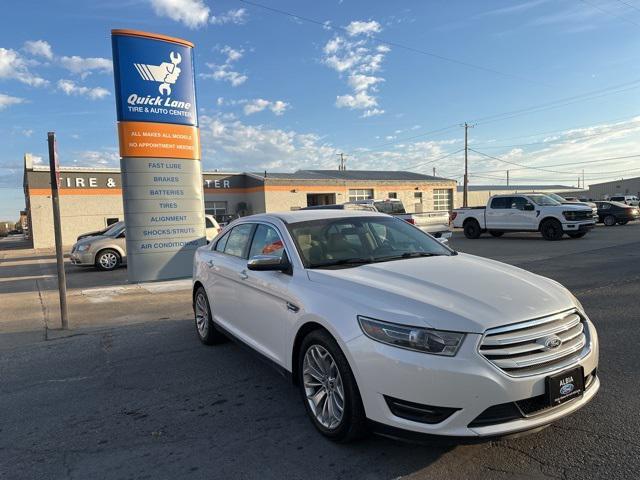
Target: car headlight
[
  {"x": 84, "y": 247},
  {"x": 425, "y": 340}
]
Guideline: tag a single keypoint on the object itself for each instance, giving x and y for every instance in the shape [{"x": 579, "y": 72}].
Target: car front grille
[{"x": 536, "y": 346}]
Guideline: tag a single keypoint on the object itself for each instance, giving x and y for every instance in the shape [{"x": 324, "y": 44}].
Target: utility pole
[
  {"x": 507, "y": 178},
  {"x": 583, "y": 187},
  {"x": 434, "y": 171},
  {"x": 342, "y": 165},
  {"x": 54, "y": 170},
  {"x": 465, "y": 193}
]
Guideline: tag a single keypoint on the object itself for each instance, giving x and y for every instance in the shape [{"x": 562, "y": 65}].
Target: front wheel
[
  {"x": 551, "y": 230},
  {"x": 577, "y": 234},
  {"x": 329, "y": 390},
  {"x": 108, "y": 260},
  {"x": 609, "y": 220}
]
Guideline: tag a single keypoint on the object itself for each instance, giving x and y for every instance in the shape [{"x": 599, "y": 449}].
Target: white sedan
[{"x": 385, "y": 329}]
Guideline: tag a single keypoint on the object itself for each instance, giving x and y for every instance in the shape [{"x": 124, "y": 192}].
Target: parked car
[
  {"x": 383, "y": 327},
  {"x": 108, "y": 249},
  {"x": 435, "y": 223},
  {"x": 611, "y": 213},
  {"x": 626, "y": 199},
  {"x": 524, "y": 213},
  {"x": 99, "y": 232},
  {"x": 574, "y": 201}
]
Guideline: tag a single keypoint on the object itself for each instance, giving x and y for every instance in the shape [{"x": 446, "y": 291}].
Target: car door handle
[
  {"x": 243, "y": 275},
  {"x": 210, "y": 263}
]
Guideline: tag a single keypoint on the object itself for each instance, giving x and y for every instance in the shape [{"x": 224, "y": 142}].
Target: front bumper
[
  {"x": 467, "y": 382},
  {"x": 583, "y": 226},
  {"x": 82, "y": 258}
]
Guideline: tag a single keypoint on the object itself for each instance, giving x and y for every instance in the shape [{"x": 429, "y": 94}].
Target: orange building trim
[
  {"x": 77, "y": 191},
  {"x": 154, "y": 36}
]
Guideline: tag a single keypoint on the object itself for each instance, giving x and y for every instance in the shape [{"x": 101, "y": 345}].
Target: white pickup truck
[
  {"x": 435, "y": 223},
  {"x": 524, "y": 213}
]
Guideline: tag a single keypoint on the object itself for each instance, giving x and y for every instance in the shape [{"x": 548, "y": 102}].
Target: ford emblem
[
  {"x": 552, "y": 342},
  {"x": 566, "y": 389}
]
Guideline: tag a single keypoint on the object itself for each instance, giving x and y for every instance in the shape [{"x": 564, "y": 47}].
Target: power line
[
  {"x": 439, "y": 130},
  {"x": 628, "y": 5},
  {"x": 397, "y": 45},
  {"x": 608, "y": 12},
  {"x": 432, "y": 161},
  {"x": 517, "y": 164}
]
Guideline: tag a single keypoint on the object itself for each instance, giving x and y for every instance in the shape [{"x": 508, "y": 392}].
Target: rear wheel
[
  {"x": 551, "y": 229},
  {"x": 495, "y": 233},
  {"x": 205, "y": 327},
  {"x": 577, "y": 234},
  {"x": 329, "y": 390},
  {"x": 609, "y": 220},
  {"x": 108, "y": 260},
  {"x": 472, "y": 229}
]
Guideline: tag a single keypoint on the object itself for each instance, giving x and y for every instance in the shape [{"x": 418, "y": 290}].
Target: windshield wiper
[
  {"x": 407, "y": 255},
  {"x": 343, "y": 262}
]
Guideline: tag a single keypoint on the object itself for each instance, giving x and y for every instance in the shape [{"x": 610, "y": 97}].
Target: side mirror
[
  {"x": 262, "y": 263},
  {"x": 529, "y": 207}
]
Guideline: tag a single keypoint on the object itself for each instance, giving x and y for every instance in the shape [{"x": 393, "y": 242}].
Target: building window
[
  {"x": 112, "y": 220},
  {"x": 360, "y": 194},
  {"x": 442, "y": 199},
  {"x": 393, "y": 195},
  {"x": 417, "y": 196},
  {"x": 217, "y": 209}
]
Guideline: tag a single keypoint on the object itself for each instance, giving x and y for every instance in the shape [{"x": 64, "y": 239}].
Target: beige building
[
  {"x": 91, "y": 198},
  {"x": 600, "y": 191}
]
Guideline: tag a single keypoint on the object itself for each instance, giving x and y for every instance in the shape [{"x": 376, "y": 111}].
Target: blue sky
[{"x": 288, "y": 89}]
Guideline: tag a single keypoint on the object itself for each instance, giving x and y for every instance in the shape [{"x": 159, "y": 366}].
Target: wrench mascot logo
[{"x": 165, "y": 73}]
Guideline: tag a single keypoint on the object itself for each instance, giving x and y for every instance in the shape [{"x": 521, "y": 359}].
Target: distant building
[
  {"x": 479, "y": 194},
  {"x": 91, "y": 198},
  {"x": 629, "y": 186}
]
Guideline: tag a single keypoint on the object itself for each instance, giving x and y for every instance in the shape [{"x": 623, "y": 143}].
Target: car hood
[
  {"x": 92, "y": 239},
  {"x": 460, "y": 292}
]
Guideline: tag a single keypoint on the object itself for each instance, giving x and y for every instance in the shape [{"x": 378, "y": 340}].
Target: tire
[
  {"x": 551, "y": 229},
  {"x": 108, "y": 260},
  {"x": 609, "y": 220},
  {"x": 205, "y": 328},
  {"x": 351, "y": 424},
  {"x": 623, "y": 222},
  {"x": 472, "y": 229},
  {"x": 577, "y": 234},
  {"x": 495, "y": 233}
]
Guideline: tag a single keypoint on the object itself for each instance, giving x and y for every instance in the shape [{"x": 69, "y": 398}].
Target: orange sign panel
[{"x": 164, "y": 140}]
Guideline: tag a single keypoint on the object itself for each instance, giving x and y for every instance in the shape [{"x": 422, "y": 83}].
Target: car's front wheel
[
  {"x": 329, "y": 390},
  {"x": 108, "y": 260},
  {"x": 609, "y": 220},
  {"x": 551, "y": 229}
]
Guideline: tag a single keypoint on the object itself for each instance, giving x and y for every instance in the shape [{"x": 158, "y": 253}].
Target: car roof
[{"x": 296, "y": 216}]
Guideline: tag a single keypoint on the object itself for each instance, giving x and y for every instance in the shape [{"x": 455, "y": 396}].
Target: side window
[
  {"x": 208, "y": 223},
  {"x": 222, "y": 243},
  {"x": 518, "y": 202},
  {"x": 266, "y": 241},
  {"x": 605, "y": 206},
  {"x": 501, "y": 202},
  {"x": 238, "y": 240}
]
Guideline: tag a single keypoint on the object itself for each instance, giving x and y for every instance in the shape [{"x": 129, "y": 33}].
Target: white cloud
[
  {"x": 192, "y": 13},
  {"x": 71, "y": 88},
  {"x": 225, "y": 72},
  {"x": 259, "y": 104},
  {"x": 103, "y": 158},
  {"x": 39, "y": 48},
  {"x": 358, "y": 59},
  {"x": 27, "y": 132},
  {"x": 14, "y": 66},
  {"x": 237, "y": 17},
  {"x": 363, "y": 28},
  {"x": 8, "y": 100},
  {"x": 85, "y": 66}
]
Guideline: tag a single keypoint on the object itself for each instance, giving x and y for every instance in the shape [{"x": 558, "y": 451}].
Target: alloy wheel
[
  {"x": 323, "y": 386},
  {"x": 202, "y": 315},
  {"x": 108, "y": 260}
]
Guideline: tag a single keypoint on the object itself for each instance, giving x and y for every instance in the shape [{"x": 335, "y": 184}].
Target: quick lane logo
[{"x": 166, "y": 73}]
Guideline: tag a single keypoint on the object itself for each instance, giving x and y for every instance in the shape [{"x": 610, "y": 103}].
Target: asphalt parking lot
[{"x": 147, "y": 400}]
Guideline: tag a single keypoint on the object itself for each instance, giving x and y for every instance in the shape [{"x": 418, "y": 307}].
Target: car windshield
[
  {"x": 115, "y": 230},
  {"x": 556, "y": 197},
  {"x": 543, "y": 200},
  {"x": 353, "y": 241},
  {"x": 390, "y": 207}
]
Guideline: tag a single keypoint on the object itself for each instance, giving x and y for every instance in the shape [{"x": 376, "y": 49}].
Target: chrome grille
[{"x": 536, "y": 346}]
